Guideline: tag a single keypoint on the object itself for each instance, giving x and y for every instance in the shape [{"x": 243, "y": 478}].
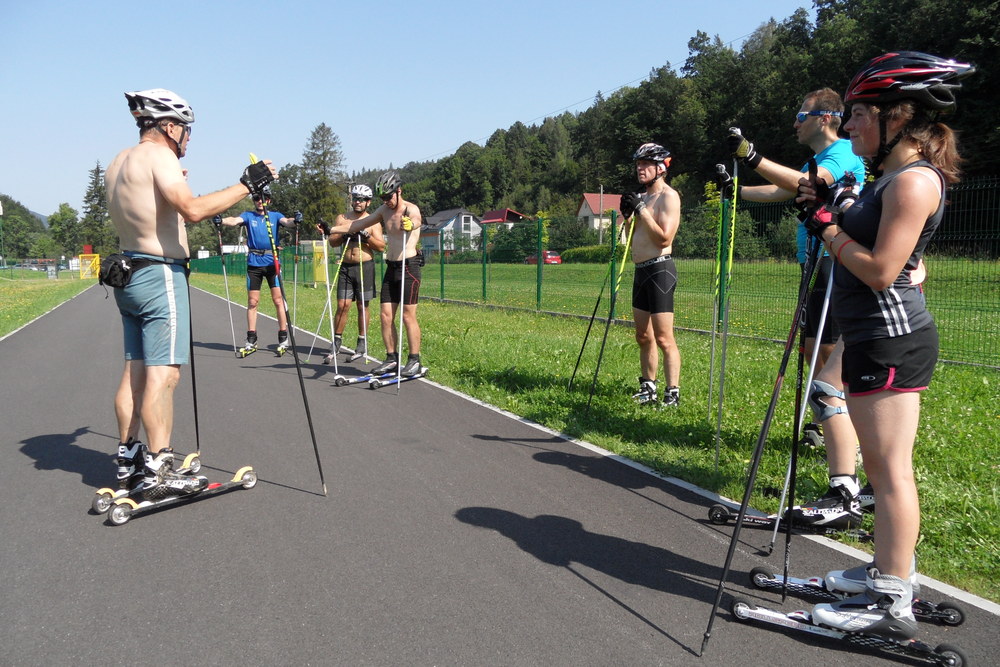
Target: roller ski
[
  {"x": 411, "y": 371},
  {"x": 818, "y": 520},
  {"x": 341, "y": 381},
  {"x": 854, "y": 581},
  {"x": 160, "y": 485},
  {"x": 943, "y": 654},
  {"x": 131, "y": 462},
  {"x": 250, "y": 347},
  {"x": 393, "y": 380}
]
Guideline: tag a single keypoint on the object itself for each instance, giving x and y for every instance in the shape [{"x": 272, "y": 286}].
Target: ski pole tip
[{"x": 324, "y": 489}]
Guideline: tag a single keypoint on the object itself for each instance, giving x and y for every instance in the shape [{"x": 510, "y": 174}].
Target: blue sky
[{"x": 397, "y": 81}]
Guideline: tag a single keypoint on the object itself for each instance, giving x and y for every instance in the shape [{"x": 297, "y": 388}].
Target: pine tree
[
  {"x": 321, "y": 170},
  {"x": 95, "y": 225}
]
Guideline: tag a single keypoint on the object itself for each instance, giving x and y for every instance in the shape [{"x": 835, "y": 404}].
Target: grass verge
[{"x": 24, "y": 300}]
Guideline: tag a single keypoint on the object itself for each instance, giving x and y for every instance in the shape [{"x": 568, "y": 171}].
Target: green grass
[
  {"x": 23, "y": 300},
  {"x": 522, "y": 362}
]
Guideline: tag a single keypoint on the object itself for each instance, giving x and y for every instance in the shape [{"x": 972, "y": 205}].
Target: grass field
[
  {"x": 522, "y": 362},
  {"x": 963, "y": 295}
]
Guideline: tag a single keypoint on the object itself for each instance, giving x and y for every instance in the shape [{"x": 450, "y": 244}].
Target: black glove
[
  {"x": 365, "y": 234},
  {"x": 742, "y": 148},
  {"x": 217, "y": 220},
  {"x": 724, "y": 181},
  {"x": 631, "y": 204},
  {"x": 256, "y": 176},
  {"x": 325, "y": 226},
  {"x": 298, "y": 217}
]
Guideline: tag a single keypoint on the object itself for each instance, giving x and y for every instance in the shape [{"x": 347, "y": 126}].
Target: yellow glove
[{"x": 406, "y": 223}]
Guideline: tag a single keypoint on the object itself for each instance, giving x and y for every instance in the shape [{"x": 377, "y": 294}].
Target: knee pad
[{"x": 822, "y": 411}]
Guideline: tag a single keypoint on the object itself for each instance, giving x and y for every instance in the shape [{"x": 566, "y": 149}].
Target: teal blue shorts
[{"x": 156, "y": 313}]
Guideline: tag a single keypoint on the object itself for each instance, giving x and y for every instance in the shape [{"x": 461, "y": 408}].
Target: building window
[{"x": 466, "y": 224}]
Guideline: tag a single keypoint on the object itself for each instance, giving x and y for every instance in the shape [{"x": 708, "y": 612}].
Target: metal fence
[{"x": 962, "y": 288}]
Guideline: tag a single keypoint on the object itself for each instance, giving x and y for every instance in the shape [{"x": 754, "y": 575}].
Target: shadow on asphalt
[
  {"x": 561, "y": 541},
  {"x": 59, "y": 451}
]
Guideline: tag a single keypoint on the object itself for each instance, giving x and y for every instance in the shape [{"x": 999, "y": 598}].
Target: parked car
[{"x": 548, "y": 257}]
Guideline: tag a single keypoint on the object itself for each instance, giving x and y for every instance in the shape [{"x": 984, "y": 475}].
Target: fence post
[
  {"x": 614, "y": 247},
  {"x": 484, "y": 262},
  {"x": 441, "y": 262},
  {"x": 538, "y": 264}
]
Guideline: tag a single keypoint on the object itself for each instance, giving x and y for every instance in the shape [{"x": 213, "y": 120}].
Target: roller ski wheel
[
  {"x": 245, "y": 352},
  {"x": 123, "y": 509},
  {"x": 719, "y": 515},
  {"x": 944, "y": 654},
  {"x": 340, "y": 380},
  {"x": 281, "y": 350},
  {"x": 328, "y": 359},
  {"x": 815, "y": 588}
]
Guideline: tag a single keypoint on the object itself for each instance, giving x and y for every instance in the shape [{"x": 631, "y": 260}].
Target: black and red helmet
[{"x": 928, "y": 80}]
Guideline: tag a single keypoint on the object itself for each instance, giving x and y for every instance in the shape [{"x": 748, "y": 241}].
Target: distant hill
[{"x": 44, "y": 218}]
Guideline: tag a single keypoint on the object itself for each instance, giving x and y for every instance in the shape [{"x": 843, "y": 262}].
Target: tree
[
  {"x": 321, "y": 170},
  {"x": 95, "y": 226},
  {"x": 65, "y": 229},
  {"x": 20, "y": 228}
]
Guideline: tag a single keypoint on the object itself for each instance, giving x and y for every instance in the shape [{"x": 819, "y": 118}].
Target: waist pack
[{"x": 117, "y": 269}]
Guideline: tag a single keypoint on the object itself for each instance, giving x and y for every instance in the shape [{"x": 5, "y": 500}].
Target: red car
[{"x": 548, "y": 257}]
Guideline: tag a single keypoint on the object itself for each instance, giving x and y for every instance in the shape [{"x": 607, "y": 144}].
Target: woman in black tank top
[{"x": 890, "y": 339}]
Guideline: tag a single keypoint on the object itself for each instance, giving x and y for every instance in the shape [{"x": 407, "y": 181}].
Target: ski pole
[
  {"x": 758, "y": 452},
  {"x": 802, "y": 407},
  {"x": 611, "y": 311},
  {"x": 725, "y": 280},
  {"x": 334, "y": 348},
  {"x": 295, "y": 273},
  {"x": 291, "y": 335},
  {"x": 590, "y": 324},
  {"x": 217, "y": 221},
  {"x": 399, "y": 337},
  {"x": 194, "y": 381},
  {"x": 363, "y": 335}
]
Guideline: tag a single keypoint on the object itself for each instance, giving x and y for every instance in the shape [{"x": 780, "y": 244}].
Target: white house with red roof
[{"x": 595, "y": 209}]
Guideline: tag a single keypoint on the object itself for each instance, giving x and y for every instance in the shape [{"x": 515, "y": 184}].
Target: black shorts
[
  {"x": 392, "y": 282},
  {"x": 904, "y": 363},
  {"x": 256, "y": 275},
  {"x": 350, "y": 279},
  {"x": 814, "y": 306},
  {"x": 653, "y": 286}
]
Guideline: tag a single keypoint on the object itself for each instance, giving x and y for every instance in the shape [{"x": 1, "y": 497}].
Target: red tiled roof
[
  {"x": 611, "y": 202},
  {"x": 502, "y": 215}
]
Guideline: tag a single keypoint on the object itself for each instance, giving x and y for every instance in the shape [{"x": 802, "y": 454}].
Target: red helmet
[{"x": 928, "y": 80}]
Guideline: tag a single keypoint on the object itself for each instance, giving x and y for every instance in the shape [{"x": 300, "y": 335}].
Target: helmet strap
[
  {"x": 883, "y": 148},
  {"x": 177, "y": 146}
]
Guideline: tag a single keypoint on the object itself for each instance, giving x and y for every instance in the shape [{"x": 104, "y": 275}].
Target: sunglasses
[
  {"x": 361, "y": 198},
  {"x": 803, "y": 115}
]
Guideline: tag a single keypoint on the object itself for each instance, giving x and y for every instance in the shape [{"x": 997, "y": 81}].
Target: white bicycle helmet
[
  {"x": 158, "y": 103},
  {"x": 361, "y": 191}
]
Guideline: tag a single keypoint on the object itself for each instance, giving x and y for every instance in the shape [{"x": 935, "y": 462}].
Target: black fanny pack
[{"x": 117, "y": 269}]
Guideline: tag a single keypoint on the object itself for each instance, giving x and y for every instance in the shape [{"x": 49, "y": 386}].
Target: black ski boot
[
  {"x": 672, "y": 397},
  {"x": 838, "y": 508},
  {"x": 412, "y": 367},
  {"x": 131, "y": 459},
  {"x": 647, "y": 392},
  {"x": 388, "y": 366}
]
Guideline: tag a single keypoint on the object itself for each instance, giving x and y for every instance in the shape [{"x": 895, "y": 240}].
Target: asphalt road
[{"x": 452, "y": 534}]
